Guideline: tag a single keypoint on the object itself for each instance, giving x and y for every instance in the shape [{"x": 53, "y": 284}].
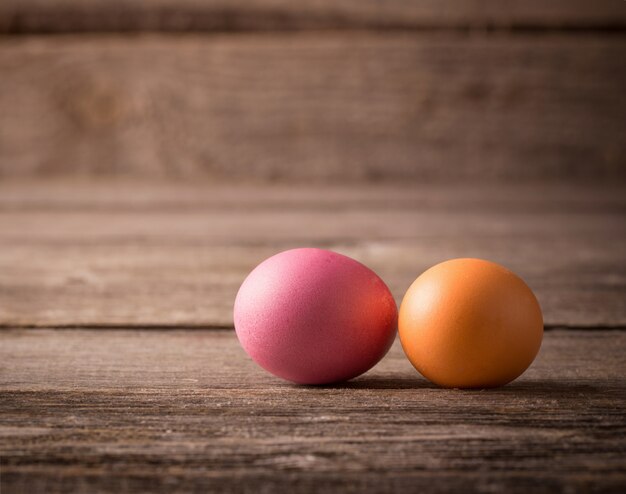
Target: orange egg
[{"x": 469, "y": 323}]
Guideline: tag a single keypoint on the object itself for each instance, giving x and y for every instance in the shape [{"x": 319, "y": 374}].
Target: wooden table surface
[{"x": 119, "y": 371}]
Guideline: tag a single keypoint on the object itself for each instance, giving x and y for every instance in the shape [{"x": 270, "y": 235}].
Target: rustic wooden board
[
  {"x": 180, "y": 411},
  {"x": 56, "y": 16},
  {"x": 329, "y": 106},
  {"x": 124, "y": 254}
]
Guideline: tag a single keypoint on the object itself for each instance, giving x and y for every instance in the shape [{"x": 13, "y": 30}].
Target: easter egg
[
  {"x": 470, "y": 323},
  {"x": 313, "y": 316}
]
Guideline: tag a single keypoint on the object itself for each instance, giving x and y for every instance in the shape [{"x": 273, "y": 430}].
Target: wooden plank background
[
  {"x": 152, "y": 152},
  {"x": 180, "y": 411},
  {"x": 428, "y": 98},
  {"x": 107, "y": 254},
  {"x": 265, "y": 91}
]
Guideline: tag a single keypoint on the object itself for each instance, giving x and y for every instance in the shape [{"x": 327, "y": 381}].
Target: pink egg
[{"x": 313, "y": 316}]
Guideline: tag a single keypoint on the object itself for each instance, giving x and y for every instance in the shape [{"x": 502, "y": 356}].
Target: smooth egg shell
[
  {"x": 314, "y": 316},
  {"x": 469, "y": 323}
]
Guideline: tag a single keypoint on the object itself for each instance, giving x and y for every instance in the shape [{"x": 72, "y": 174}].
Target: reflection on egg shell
[
  {"x": 470, "y": 323},
  {"x": 314, "y": 316}
]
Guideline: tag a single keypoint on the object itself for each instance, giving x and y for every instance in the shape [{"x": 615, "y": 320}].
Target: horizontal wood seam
[
  {"x": 14, "y": 28},
  {"x": 218, "y": 327}
]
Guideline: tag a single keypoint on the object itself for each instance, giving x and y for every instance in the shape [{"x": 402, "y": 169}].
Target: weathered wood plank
[
  {"x": 159, "y": 255},
  {"x": 180, "y": 411},
  {"x": 57, "y": 16},
  {"x": 304, "y": 106}
]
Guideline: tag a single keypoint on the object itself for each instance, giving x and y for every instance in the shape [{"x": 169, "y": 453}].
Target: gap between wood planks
[
  {"x": 614, "y": 29},
  {"x": 25, "y": 17},
  {"x": 219, "y": 327}
]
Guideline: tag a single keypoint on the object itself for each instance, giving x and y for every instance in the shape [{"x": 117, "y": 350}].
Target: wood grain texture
[
  {"x": 342, "y": 106},
  {"x": 181, "y": 411},
  {"x": 127, "y": 253},
  {"x": 57, "y": 16}
]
